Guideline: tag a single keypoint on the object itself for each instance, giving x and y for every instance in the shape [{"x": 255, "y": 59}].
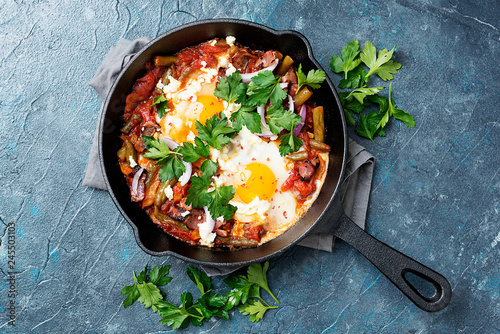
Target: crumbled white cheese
[
  {"x": 173, "y": 86},
  {"x": 230, "y": 70},
  {"x": 160, "y": 84},
  {"x": 223, "y": 61},
  {"x": 191, "y": 136},
  {"x": 257, "y": 206},
  {"x": 220, "y": 180},
  {"x": 190, "y": 92},
  {"x": 203, "y": 63},
  {"x": 230, "y": 40},
  {"x": 132, "y": 162},
  {"x": 169, "y": 192}
]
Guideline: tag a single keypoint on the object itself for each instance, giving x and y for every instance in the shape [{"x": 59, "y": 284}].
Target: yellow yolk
[
  {"x": 211, "y": 106},
  {"x": 257, "y": 180},
  {"x": 205, "y": 107}
]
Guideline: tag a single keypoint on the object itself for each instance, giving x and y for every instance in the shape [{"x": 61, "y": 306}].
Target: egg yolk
[
  {"x": 211, "y": 106},
  {"x": 256, "y": 180},
  {"x": 205, "y": 107}
]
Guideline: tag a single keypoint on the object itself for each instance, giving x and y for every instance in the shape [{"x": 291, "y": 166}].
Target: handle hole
[{"x": 421, "y": 284}]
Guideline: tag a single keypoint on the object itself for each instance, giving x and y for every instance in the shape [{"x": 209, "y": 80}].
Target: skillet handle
[{"x": 395, "y": 266}]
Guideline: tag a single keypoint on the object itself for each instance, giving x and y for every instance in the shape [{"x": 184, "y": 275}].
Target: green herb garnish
[
  {"x": 161, "y": 104},
  {"x": 244, "y": 295}
]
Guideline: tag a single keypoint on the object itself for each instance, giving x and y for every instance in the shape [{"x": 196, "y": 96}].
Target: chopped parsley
[
  {"x": 244, "y": 295},
  {"x": 361, "y": 96}
]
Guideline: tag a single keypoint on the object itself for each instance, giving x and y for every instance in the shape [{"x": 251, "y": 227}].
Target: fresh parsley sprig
[
  {"x": 161, "y": 104},
  {"x": 244, "y": 295},
  {"x": 361, "y": 96},
  {"x": 314, "y": 78},
  {"x": 147, "y": 293},
  {"x": 204, "y": 192},
  {"x": 169, "y": 160},
  {"x": 231, "y": 89},
  {"x": 264, "y": 87},
  {"x": 216, "y": 131}
]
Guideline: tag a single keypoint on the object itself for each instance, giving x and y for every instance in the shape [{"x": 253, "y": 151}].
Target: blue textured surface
[{"x": 435, "y": 195}]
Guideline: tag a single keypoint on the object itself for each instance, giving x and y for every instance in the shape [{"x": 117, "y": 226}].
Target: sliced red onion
[
  {"x": 265, "y": 132},
  {"x": 299, "y": 126},
  {"x": 290, "y": 103},
  {"x": 135, "y": 180},
  {"x": 186, "y": 176},
  {"x": 209, "y": 219},
  {"x": 247, "y": 77},
  {"x": 207, "y": 226},
  {"x": 172, "y": 144}
]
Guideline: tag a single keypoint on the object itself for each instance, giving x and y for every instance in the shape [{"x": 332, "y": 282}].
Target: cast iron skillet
[{"x": 327, "y": 207}]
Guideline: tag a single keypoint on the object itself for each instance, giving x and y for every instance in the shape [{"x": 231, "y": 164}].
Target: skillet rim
[{"x": 325, "y": 214}]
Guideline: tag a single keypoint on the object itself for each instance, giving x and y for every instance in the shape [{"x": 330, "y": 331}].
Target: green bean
[
  {"x": 130, "y": 151},
  {"x": 132, "y": 121},
  {"x": 166, "y": 219},
  {"x": 319, "y": 124},
  {"x": 150, "y": 175},
  {"x": 302, "y": 96},
  {"x": 122, "y": 153},
  {"x": 161, "y": 197},
  {"x": 165, "y": 60},
  {"x": 239, "y": 242},
  {"x": 298, "y": 156},
  {"x": 285, "y": 65},
  {"x": 319, "y": 145}
]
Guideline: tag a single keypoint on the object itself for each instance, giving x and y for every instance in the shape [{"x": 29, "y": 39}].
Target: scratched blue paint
[
  {"x": 125, "y": 255},
  {"x": 54, "y": 255},
  {"x": 19, "y": 231},
  {"x": 35, "y": 275},
  {"x": 34, "y": 210}
]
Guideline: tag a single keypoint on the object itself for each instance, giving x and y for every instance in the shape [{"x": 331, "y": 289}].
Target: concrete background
[{"x": 435, "y": 193}]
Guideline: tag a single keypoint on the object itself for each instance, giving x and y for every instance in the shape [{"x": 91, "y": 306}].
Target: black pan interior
[{"x": 150, "y": 238}]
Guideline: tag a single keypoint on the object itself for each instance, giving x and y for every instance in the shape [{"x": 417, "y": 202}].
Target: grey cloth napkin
[{"x": 354, "y": 191}]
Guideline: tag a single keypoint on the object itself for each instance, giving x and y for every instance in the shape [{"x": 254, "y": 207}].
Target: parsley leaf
[
  {"x": 264, "y": 87},
  {"x": 313, "y": 79},
  {"x": 171, "y": 165},
  {"x": 373, "y": 124},
  {"x": 250, "y": 119},
  {"x": 279, "y": 118},
  {"x": 355, "y": 78},
  {"x": 382, "y": 65},
  {"x": 289, "y": 144},
  {"x": 192, "y": 152},
  {"x": 161, "y": 104},
  {"x": 147, "y": 293},
  {"x": 368, "y": 125},
  {"x": 360, "y": 93},
  {"x": 348, "y": 63},
  {"x": 255, "y": 309},
  {"x": 216, "y": 199},
  {"x": 201, "y": 280},
  {"x": 258, "y": 275},
  {"x": 215, "y": 132},
  {"x": 230, "y": 88},
  {"x": 400, "y": 114}
]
